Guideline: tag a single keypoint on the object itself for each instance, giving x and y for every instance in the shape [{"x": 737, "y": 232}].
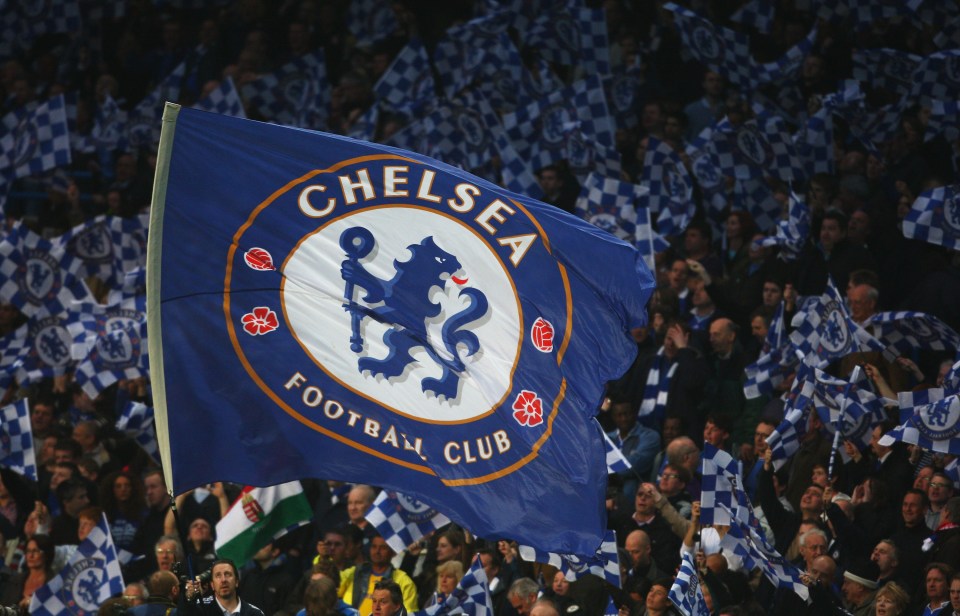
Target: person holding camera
[{"x": 224, "y": 580}]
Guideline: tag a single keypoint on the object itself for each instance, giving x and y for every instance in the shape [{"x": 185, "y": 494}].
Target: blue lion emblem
[{"x": 407, "y": 309}]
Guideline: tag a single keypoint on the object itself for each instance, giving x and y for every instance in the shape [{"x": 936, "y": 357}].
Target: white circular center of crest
[{"x": 313, "y": 298}]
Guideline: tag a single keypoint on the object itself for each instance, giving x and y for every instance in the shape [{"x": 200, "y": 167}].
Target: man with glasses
[
  {"x": 673, "y": 484},
  {"x": 939, "y": 491}
]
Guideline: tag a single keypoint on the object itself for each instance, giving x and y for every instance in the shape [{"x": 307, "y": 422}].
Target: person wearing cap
[{"x": 860, "y": 587}]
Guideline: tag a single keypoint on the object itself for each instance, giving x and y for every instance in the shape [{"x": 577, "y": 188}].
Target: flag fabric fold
[
  {"x": 258, "y": 516},
  {"x": 402, "y": 521}
]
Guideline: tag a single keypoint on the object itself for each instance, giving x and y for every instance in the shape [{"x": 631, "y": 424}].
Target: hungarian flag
[{"x": 259, "y": 516}]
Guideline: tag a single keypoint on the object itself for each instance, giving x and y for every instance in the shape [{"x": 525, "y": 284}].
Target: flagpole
[{"x": 854, "y": 377}]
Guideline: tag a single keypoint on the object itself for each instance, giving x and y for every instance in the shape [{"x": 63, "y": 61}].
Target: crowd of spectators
[{"x": 880, "y": 536}]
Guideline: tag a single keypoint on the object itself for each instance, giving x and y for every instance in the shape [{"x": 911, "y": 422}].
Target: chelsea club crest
[{"x": 401, "y": 309}]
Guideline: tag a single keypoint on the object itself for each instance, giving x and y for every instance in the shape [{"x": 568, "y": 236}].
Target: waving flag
[
  {"x": 109, "y": 132},
  {"x": 471, "y": 596},
  {"x": 36, "y": 276},
  {"x": 258, "y": 516},
  {"x": 775, "y": 363},
  {"x": 616, "y": 461},
  {"x": 758, "y": 14},
  {"x": 585, "y": 154},
  {"x": 686, "y": 592},
  {"x": 13, "y": 347},
  {"x": 280, "y": 96},
  {"x": 722, "y": 488},
  {"x": 849, "y": 406},
  {"x": 108, "y": 247},
  {"x": 931, "y": 419},
  {"x": 371, "y": 21},
  {"x": 572, "y": 36},
  {"x": 407, "y": 84},
  {"x": 935, "y": 77},
  {"x": 223, "y": 99},
  {"x": 670, "y": 193},
  {"x": 136, "y": 421},
  {"x": 48, "y": 352},
  {"x": 402, "y": 521},
  {"x": 888, "y": 69},
  {"x": 143, "y": 122},
  {"x": 605, "y": 564},
  {"x": 905, "y": 332},
  {"x": 110, "y": 344},
  {"x": 791, "y": 234},
  {"x": 935, "y": 217},
  {"x": 757, "y": 148},
  {"x": 540, "y": 130},
  {"x": 40, "y": 142},
  {"x": 814, "y": 143},
  {"x": 92, "y": 576},
  {"x": 825, "y": 331},
  {"x": 16, "y": 439},
  {"x": 355, "y": 279},
  {"x": 784, "y": 441},
  {"x": 464, "y": 130}
]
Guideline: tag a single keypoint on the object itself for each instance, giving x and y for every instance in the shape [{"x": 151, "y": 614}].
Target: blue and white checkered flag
[
  {"x": 540, "y": 130},
  {"x": 853, "y": 402},
  {"x": 814, "y": 142},
  {"x": 110, "y": 344},
  {"x": 784, "y": 441},
  {"x": 704, "y": 167},
  {"x": 889, "y": 69},
  {"x": 953, "y": 471},
  {"x": 605, "y": 564},
  {"x": 905, "y": 332},
  {"x": 616, "y": 461},
  {"x": 16, "y": 440},
  {"x": 108, "y": 247},
  {"x": 92, "y": 576},
  {"x": 136, "y": 421},
  {"x": 949, "y": 35},
  {"x": 401, "y": 520},
  {"x": 40, "y": 142},
  {"x": 670, "y": 193},
  {"x": 407, "y": 84},
  {"x": 825, "y": 332},
  {"x": 371, "y": 21},
  {"x": 722, "y": 488},
  {"x": 758, "y": 14},
  {"x": 224, "y": 99},
  {"x": 608, "y": 203},
  {"x": 951, "y": 380},
  {"x": 720, "y": 49},
  {"x": 935, "y": 77},
  {"x": 281, "y": 95},
  {"x": 944, "y": 119},
  {"x": 25, "y": 21},
  {"x": 931, "y": 420},
  {"x": 466, "y": 128},
  {"x": 860, "y": 14},
  {"x": 12, "y": 349},
  {"x": 791, "y": 234},
  {"x": 471, "y": 596},
  {"x": 686, "y": 592},
  {"x": 502, "y": 76},
  {"x": 144, "y": 120},
  {"x": 572, "y": 36},
  {"x": 109, "y": 132},
  {"x": 874, "y": 127},
  {"x": 756, "y": 196},
  {"x": 776, "y": 360},
  {"x": 586, "y": 155},
  {"x": 36, "y": 275},
  {"x": 756, "y": 148},
  {"x": 465, "y": 48},
  {"x": 935, "y": 217},
  {"x": 48, "y": 352},
  {"x": 750, "y": 545}
]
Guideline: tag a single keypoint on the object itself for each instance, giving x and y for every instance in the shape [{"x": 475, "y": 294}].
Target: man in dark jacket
[
  {"x": 226, "y": 600},
  {"x": 269, "y": 583}
]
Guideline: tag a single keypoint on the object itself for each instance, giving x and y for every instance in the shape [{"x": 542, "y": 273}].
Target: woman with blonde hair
[
  {"x": 891, "y": 600},
  {"x": 449, "y": 574}
]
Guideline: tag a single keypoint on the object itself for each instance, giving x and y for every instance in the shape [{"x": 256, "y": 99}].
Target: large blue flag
[{"x": 356, "y": 311}]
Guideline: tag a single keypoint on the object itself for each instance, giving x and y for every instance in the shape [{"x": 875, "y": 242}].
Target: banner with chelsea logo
[{"x": 324, "y": 307}]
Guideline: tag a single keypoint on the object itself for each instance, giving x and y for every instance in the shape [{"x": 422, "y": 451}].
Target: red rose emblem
[
  {"x": 261, "y": 321},
  {"x": 528, "y": 409},
  {"x": 258, "y": 259}
]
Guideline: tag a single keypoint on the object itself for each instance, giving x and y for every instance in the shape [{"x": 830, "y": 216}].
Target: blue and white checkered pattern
[
  {"x": 457, "y": 61},
  {"x": 791, "y": 234},
  {"x": 571, "y": 36},
  {"x": 109, "y": 132},
  {"x": 280, "y": 96},
  {"x": 408, "y": 84},
  {"x": 503, "y": 78},
  {"x": 540, "y": 131},
  {"x": 516, "y": 173},
  {"x": 616, "y": 461},
  {"x": 750, "y": 545},
  {"x": 935, "y": 217},
  {"x": 935, "y": 77},
  {"x": 594, "y": 47},
  {"x": 825, "y": 331},
  {"x": 657, "y": 388},
  {"x": 758, "y": 14},
  {"x": 40, "y": 142},
  {"x": 931, "y": 420},
  {"x": 787, "y": 67},
  {"x": 853, "y": 402},
  {"x": 92, "y": 576},
  {"x": 756, "y": 148},
  {"x": 471, "y": 596},
  {"x": 49, "y": 346},
  {"x": 365, "y": 128},
  {"x": 31, "y": 20},
  {"x": 585, "y": 155},
  {"x": 110, "y": 344},
  {"x": 814, "y": 143},
  {"x": 134, "y": 285},
  {"x": 37, "y": 276},
  {"x": 371, "y": 21},
  {"x": 888, "y": 69},
  {"x": 145, "y": 120},
  {"x": 906, "y": 332},
  {"x": 722, "y": 484},
  {"x": 605, "y": 564},
  {"x": 686, "y": 592},
  {"x": 670, "y": 189},
  {"x": 776, "y": 360},
  {"x": 224, "y": 99},
  {"x": 953, "y": 471},
  {"x": 608, "y": 203},
  {"x": 860, "y": 14},
  {"x": 951, "y": 380},
  {"x": 16, "y": 440},
  {"x": 108, "y": 247},
  {"x": 720, "y": 49},
  {"x": 784, "y": 441},
  {"x": 949, "y": 35},
  {"x": 647, "y": 240},
  {"x": 756, "y": 197},
  {"x": 136, "y": 421},
  {"x": 464, "y": 130},
  {"x": 401, "y": 520},
  {"x": 944, "y": 118},
  {"x": 12, "y": 349}
]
